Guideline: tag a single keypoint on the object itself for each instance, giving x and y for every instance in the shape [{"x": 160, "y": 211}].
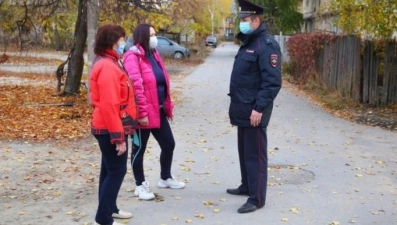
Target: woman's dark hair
[
  {"x": 106, "y": 37},
  {"x": 142, "y": 36}
]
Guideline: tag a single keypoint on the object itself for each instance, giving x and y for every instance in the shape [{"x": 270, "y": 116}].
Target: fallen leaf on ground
[
  {"x": 334, "y": 223},
  {"x": 294, "y": 210},
  {"x": 208, "y": 203},
  {"x": 201, "y": 216}
]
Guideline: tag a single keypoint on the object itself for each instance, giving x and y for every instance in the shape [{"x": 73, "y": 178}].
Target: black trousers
[
  {"x": 164, "y": 138},
  {"x": 113, "y": 170},
  {"x": 252, "y": 150}
]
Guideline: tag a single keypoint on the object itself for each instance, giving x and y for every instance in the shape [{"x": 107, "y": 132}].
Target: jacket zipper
[{"x": 128, "y": 88}]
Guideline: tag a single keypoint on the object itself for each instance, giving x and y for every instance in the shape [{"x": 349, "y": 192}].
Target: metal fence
[{"x": 282, "y": 41}]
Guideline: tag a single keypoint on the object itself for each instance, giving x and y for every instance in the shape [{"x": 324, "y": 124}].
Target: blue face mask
[
  {"x": 245, "y": 27},
  {"x": 120, "y": 48}
]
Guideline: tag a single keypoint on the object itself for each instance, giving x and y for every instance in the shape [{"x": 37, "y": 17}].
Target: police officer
[{"x": 254, "y": 84}]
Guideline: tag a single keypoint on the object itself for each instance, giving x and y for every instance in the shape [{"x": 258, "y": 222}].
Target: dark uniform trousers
[{"x": 252, "y": 149}]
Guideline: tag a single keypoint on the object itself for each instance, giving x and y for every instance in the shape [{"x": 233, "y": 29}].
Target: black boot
[
  {"x": 247, "y": 208},
  {"x": 236, "y": 191}
]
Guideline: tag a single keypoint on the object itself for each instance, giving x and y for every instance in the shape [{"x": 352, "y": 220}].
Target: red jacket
[
  {"x": 110, "y": 89},
  {"x": 141, "y": 74}
]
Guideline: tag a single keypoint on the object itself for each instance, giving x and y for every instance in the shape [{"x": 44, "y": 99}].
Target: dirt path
[{"x": 55, "y": 182}]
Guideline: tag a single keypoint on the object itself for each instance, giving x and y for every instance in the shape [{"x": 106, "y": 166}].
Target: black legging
[
  {"x": 164, "y": 138},
  {"x": 113, "y": 169}
]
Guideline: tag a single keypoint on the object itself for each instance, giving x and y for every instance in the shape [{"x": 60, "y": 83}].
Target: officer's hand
[{"x": 255, "y": 118}]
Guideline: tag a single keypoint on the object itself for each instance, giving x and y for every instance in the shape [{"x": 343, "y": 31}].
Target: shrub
[
  {"x": 288, "y": 69},
  {"x": 303, "y": 49}
]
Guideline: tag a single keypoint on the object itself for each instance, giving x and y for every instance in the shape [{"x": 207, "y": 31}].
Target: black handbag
[{"x": 128, "y": 121}]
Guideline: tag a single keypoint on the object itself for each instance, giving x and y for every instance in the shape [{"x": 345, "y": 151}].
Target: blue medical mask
[
  {"x": 245, "y": 27},
  {"x": 120, "y": 48}
]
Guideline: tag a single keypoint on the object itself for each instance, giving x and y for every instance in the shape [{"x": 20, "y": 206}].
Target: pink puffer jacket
[{"x": 141, "y": 73}]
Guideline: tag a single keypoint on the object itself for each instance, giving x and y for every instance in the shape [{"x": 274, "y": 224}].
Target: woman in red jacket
[
  {"x": 152, "y": 85},
  {"x": 111, "y": 92}
]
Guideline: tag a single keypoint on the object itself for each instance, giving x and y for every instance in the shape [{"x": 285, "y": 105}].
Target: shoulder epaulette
[{"x": 268, "y": 40}]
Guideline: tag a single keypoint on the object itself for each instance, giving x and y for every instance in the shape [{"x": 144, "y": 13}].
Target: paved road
[{"x": 323, "y": 170}]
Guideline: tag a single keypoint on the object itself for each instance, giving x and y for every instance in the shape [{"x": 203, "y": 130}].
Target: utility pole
[{"x": 212, "y": 20}]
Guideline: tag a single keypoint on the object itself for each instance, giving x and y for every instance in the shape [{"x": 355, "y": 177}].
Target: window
[
  {"x": 163, "y": 41},
  {"x": 309, "y": 25},
  {"x": 335, "y": 29}
]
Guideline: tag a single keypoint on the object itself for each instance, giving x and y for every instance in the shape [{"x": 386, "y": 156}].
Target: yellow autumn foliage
[{"x": 371, "y": 19}]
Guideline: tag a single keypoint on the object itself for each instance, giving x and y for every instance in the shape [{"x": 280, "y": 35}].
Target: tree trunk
[
  {"x": 76, "y": 63},
  {"x": 92, "y": 26},
  {"x": 57, "y": 39}
]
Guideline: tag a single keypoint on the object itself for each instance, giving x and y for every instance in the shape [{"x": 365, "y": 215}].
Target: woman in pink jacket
[{"x": 152, "y": 86}]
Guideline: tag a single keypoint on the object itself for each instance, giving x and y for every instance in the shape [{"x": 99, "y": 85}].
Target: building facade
[
  {"x": 317, "y": 16},
  {"x": 226, "y": 29}
]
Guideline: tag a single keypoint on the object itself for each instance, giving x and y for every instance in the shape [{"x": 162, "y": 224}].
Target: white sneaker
[
  {"x": 144, "y": 192},
  {"x": 122, "y": 215},
  {"x": 170, "y": 183}
]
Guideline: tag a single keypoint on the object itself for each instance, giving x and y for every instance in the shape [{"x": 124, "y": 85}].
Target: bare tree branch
[{"x": 2, "y": 2}]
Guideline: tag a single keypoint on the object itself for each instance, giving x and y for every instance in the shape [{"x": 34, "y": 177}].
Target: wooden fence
[{"x": 362, "y": 70}]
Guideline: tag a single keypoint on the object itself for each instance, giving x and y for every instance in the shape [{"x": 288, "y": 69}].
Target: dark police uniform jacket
[{"x": 256, "y": 77}]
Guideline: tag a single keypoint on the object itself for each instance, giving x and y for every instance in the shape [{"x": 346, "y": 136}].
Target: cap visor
[{"x": 243, "y": 15}]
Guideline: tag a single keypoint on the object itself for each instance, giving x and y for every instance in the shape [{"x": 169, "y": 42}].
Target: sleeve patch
[{"x": 274, "y": 60}]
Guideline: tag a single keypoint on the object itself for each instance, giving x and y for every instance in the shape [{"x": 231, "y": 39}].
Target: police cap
[{"x": 248, "y": 8}]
